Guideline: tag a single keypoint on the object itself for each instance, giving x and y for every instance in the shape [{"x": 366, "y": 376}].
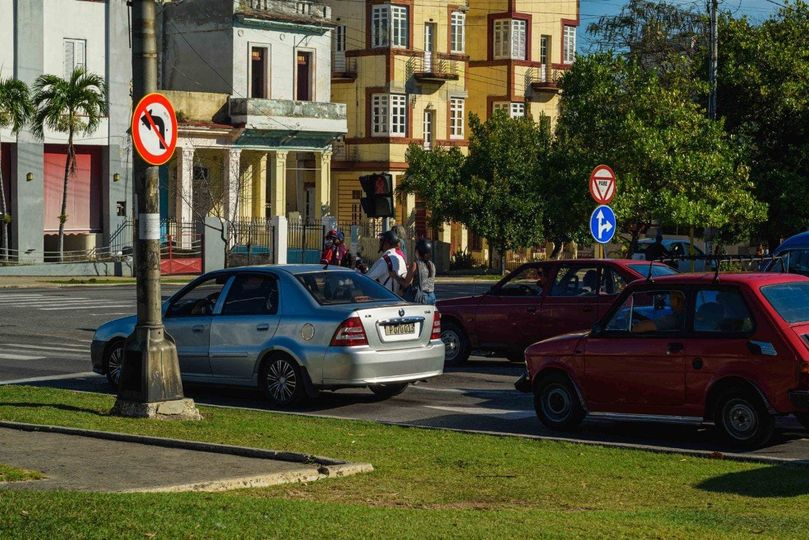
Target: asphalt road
[{"x": 45, "y": 336}]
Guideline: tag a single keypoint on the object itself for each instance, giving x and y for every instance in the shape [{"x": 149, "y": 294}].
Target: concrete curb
[{"x": 326, "y": 467}]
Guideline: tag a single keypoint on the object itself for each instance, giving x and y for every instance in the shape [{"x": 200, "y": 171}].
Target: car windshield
[
  {"x": 789, "y": 300},
  {"x": 330, "y": 288},
  {"x": 657, "y": 270}
]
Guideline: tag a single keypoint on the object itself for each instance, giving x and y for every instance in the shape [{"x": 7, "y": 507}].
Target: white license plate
[{"x": 400, "y": 329}]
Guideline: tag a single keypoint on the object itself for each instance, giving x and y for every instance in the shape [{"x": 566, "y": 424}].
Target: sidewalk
[
  {"x": 79, "y": 460},
  {"x": 55, "y": 282}
]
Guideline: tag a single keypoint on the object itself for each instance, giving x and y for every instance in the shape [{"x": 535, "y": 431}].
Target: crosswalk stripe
[
  {"x": 53, "y": 378},
  {"x": 4, "y": 356},
  {"x": 55, "y": 354},
  {"x": 59, "y": 348},
  {"x": 81, "y": 307}
]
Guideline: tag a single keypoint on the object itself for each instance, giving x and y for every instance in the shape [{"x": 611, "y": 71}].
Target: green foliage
[
  {"x": 763, "y": 95},
  {"x": 15, "y": 104},
  {"x": 673, "y": 164},
  {"x": 462, "y": 260},
  {"x": 75, "y": 105},
  {"x": 495, "y": 191}
]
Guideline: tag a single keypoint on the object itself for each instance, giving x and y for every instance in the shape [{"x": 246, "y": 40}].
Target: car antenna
[{"x": 716, "y": 258}]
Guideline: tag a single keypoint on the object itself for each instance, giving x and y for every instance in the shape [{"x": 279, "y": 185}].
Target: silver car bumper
[{"x": 362, "y": 366}]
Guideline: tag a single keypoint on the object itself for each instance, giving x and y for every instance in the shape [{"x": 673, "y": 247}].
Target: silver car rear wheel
[{"x": 281, "y": 381}]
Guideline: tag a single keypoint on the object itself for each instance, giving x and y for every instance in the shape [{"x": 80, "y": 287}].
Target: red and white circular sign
[
  {"x": 602, "y": 184},
  {"x": 154, "y": 129}
]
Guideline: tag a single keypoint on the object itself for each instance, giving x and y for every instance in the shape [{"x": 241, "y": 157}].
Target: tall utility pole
[
  {"x": 150, "y": 384},
  {"x": 713, "y": 8}
]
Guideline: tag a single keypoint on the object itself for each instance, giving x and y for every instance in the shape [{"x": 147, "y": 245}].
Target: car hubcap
[
  {"x": 281, "y": 381},
  {"x": 115, "y": 363},
  {"x": 557, "y": 403},
  {"x": 741, "y": 420},
  {"x": 451, "y": 344}
]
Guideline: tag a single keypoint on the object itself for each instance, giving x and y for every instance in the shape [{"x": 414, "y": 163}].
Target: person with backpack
[
  {"x": 419, "y": 283},
  {"x": 390, "y": 266},
  {"x": 335, "y": 252}
]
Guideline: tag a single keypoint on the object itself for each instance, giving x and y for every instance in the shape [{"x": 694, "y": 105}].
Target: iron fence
[
  {"x": 304, "y": 242},
  {"x": 252, "y": 242}
]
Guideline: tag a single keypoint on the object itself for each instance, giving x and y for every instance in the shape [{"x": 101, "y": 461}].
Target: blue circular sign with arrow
[{"x": 603, "y": 224}]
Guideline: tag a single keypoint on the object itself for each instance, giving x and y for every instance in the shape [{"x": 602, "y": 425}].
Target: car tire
[
  {"x": 742, "y": 419},
  {"x": 280, "y": 380},
  {"x": 557, "y": 403},
  {"x": 803, "y": 418},
  {"x": 388, "y": 390},
  {"x": 456, "y": 344},
  {"x": 114, "y": 361}
]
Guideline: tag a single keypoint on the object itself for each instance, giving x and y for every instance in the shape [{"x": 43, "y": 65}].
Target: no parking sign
[{"x": 154, "y": 129}]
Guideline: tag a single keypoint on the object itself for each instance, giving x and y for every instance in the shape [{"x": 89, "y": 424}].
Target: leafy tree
[
  {"x": 763, "y": 95},
  {"x": 495, "y": 191},
  {"x": 15, "y": 110},
  {"x": 673, "y": 164},
  {"x": 75, "y": 105}
]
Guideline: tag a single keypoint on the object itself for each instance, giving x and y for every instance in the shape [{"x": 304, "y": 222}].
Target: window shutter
[
  {"x": 79, "y": 56},
  {"x": 68, "y": 58}
]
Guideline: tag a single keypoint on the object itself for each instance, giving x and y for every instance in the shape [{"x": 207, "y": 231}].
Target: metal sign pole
[{"x": 150, "y": 384}]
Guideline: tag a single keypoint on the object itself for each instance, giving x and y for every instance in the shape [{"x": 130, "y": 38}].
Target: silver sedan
[{"x": 290, "y": 331}]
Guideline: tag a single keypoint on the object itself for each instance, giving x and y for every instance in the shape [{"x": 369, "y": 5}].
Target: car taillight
[
  {"x": 350, "y": 334},
  {"x": 803, "y": 375},
  {"x": 436, "y": 326}
]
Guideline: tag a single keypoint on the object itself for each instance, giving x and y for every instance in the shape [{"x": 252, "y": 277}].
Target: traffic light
[{"x": 378, "y": 200}]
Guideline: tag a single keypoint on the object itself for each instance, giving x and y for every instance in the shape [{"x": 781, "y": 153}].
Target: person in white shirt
[{"x": 390, "y": 261}]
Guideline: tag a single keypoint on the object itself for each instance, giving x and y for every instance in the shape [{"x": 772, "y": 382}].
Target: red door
[
  {"x": 508, "y": 317},
  {"x": 573, "y": 302},
  {"x": 637, "y": 364}
]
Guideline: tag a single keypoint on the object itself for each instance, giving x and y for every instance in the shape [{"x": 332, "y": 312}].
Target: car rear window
[
  {"x": 789, "y": 300},
  {"x": 657, "y": 270},
  {"x": 331, "y": 288}
]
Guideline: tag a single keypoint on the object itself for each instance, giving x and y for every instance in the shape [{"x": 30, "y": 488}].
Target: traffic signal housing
[{"x": 378, "y": 200}]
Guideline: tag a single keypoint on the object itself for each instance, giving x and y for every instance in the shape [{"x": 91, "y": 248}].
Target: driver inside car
[{"x": 667, "y": 323}]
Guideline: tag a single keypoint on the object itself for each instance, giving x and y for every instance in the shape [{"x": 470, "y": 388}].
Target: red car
[
  {"x": 536, "y": 301},
  {"x": 731, "y": 350}
]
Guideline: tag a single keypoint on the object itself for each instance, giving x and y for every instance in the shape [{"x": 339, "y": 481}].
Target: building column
[
  {"x": 259, "y": 186},
  {"x": 322, "y": 184},
  {"x": 184, "y": 196},
  {"x": 278, "y": 184},
  {"x": 231, "y": 183}
]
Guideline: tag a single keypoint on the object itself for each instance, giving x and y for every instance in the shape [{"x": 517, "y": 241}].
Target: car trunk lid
[{"x": 397, "y": 327}]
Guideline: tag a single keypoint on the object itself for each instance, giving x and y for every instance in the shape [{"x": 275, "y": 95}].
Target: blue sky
[{"x": 756, "y": 10}]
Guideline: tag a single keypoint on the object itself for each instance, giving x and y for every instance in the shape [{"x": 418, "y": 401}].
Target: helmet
[
  {"x": 332, "y": 234},
  {"x": 340, "y": 236},
  {"x": 389, "y": 237},
  {"x": 424, "y": 246}
]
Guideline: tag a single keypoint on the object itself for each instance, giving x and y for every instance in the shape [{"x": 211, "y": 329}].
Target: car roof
[
  {"x": 799, "y": 241},
  {"x": 290, "y": 268},
  {"x": 752, "y": 279}
]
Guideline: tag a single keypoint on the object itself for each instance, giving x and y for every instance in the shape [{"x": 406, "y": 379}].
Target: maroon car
[
  {"x": 731, "y": 350},
  {"x": 536, "y": 301}
]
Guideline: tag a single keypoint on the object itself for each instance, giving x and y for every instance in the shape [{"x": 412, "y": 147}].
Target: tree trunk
[
  {"x": 691, "y": 247},
  {"x": 4, "y": 223},
  {"x": 62, "y": 216},
  {"x": 633, "y": 243}
]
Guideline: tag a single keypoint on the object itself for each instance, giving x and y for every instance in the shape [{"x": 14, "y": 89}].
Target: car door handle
[
  {"x": 263, "y": 327},
  {"x": 587, "y": 309},
  {"x": 674, "y": 348},
  {"x": 697, "y": 363},
  {"x": 532, "y": 310},
  {"x": 197, "y": 328}
]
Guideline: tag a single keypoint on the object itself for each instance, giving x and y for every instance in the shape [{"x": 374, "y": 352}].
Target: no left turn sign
[{"x": 154, "y": 129}]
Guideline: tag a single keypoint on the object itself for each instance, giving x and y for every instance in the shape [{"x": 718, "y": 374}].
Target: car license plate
[{"x": 400, "y": 329}]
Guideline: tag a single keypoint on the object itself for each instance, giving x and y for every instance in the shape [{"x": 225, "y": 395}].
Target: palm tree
[
  {"x": 71, "y": 106},
  {"x": 15, "y": 110}
]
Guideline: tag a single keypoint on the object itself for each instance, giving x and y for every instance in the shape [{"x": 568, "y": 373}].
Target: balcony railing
[
  {"x": 429, "y": 67},
  {"x": 313, "y": 116},
  {"x": 343, "y": 67},
  {"x": 544, "y": 78},
  {"x": 344, "y": 152}
]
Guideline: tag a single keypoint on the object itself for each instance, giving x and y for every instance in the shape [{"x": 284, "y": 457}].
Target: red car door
[
  {"x": 507, "y": 315},
  {"x": 572, "y": 302},
  {"x": 635, "y": 365}
]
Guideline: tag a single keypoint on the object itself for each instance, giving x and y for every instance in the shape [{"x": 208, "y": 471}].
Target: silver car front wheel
[
  {"x": 114, "y": 361},
  {"x": 280, "y": 381}
]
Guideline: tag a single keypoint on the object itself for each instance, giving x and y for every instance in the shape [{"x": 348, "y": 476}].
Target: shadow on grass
[
  {"x": 776, "y": 481},
  {"x": 58, "y": 406}
]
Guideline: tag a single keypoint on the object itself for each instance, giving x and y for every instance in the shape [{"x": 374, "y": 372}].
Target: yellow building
[{"x": 411, "y": 71}]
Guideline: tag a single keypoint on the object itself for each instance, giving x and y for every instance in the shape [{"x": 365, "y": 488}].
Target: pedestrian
[
  {"x": 760, "y": 250},
  {"x": 335, "y": 252},
  {"x": 389, "y": 263},
  {"x": 401, "y": 246},
  {"x": 657, "y": 250},
  {"x": 419, "y": 283}
]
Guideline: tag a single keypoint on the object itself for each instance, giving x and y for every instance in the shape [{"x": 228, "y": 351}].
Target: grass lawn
[
  {"x": 11, "y": 474},
  {"x": 427, "y": 484}
]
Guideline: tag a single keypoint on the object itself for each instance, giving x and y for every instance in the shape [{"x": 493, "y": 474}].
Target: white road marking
[
  {"x": 53, "y": 354},
  {"x": 81, "y": 307},
  {"x": 57, "y": 348},
  {"x": 434, "y": 389},
  {"x": 482, "y": 411},
  {"x": 52, "y": 378},
  {"x": 4, "y": 356}
]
